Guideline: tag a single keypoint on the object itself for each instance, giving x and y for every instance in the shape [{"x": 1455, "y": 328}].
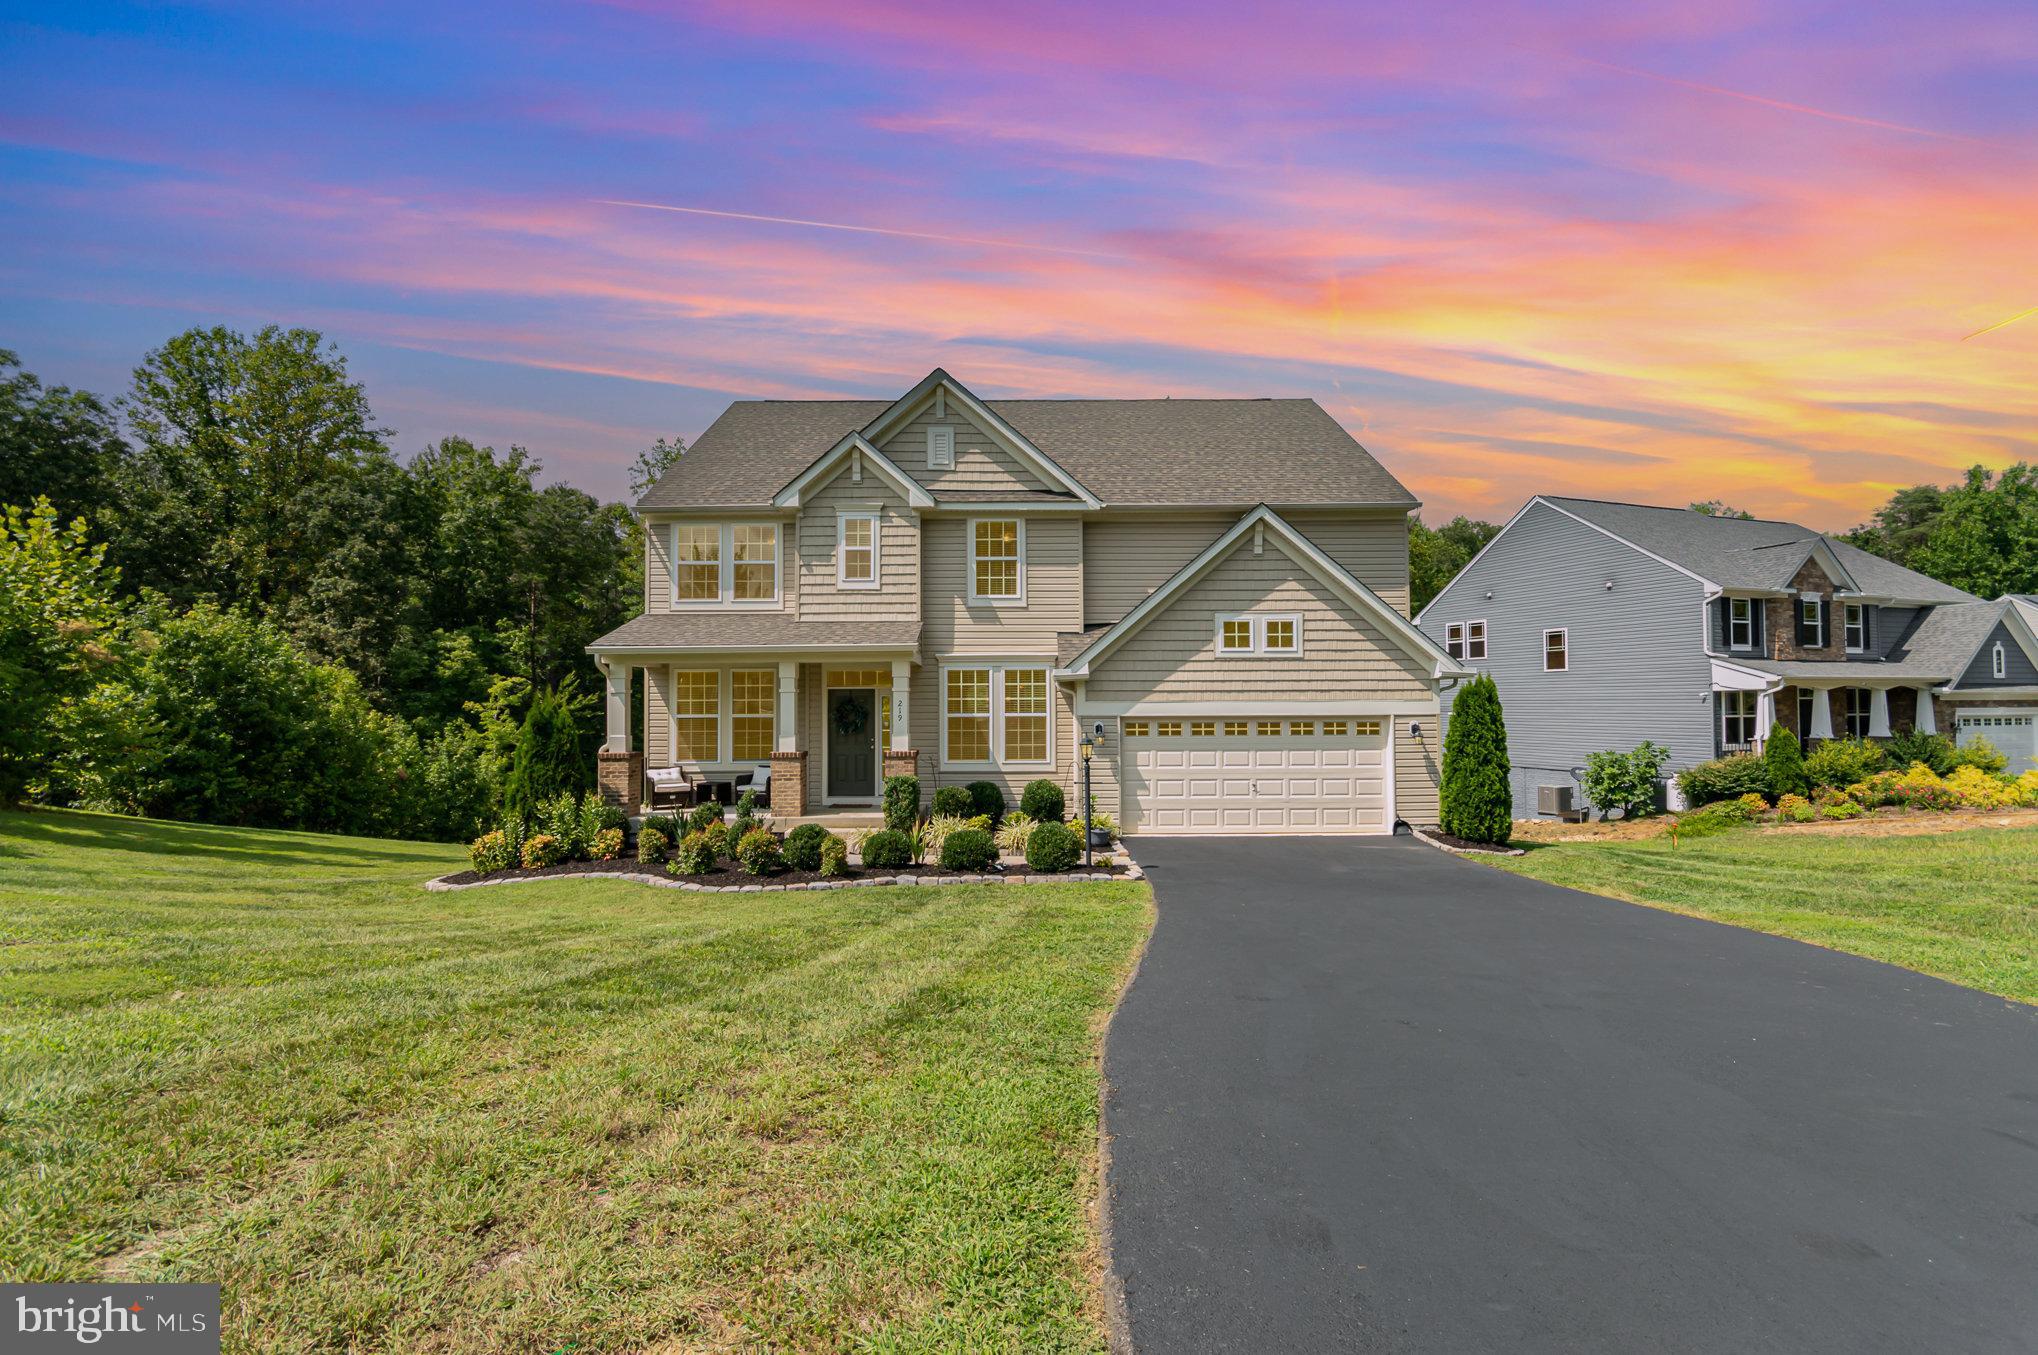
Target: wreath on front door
[{"x": 852, "y": 717}]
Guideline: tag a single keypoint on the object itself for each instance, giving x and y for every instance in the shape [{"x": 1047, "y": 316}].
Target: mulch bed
[
  {"x": 730, "y": 875},
  {"x": 1466, "y": 845}
]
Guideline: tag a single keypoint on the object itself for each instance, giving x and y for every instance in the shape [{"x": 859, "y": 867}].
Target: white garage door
[
  {"x": 1255, "y": 776},
  {"x": 2012, "y": 732}
]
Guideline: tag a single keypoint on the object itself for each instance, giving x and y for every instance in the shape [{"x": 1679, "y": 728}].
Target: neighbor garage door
[
  {"x": 2013, "y": 732},
  {"x": 1255, "y": 776}
]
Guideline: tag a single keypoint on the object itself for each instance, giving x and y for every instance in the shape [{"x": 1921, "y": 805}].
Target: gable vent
[{"x": 941, "y": 447}]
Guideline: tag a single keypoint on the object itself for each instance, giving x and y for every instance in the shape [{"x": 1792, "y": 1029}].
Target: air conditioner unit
[{"x": 1553, "y": 800}]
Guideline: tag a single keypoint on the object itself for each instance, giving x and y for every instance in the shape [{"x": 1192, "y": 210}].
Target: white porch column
[
  {"x": 1926, "y": 722},
  {"x": 1822, "y": 713},
  {"x": 788, "y": 705},
  {"x": 1878, "y": 713},
  {"x": 902, "y": 725},
  {"x": 618, "y": 676},
  {"x": 1765, "y": 715}
]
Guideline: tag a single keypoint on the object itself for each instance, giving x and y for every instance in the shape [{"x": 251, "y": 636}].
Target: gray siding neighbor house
[{"x": 1606, "y": 624}]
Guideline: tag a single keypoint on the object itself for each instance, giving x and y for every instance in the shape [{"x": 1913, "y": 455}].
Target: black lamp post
[{"x": 1089, "y": 749}]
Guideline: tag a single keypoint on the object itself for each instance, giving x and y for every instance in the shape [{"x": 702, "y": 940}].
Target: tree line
[{"x": 227, "y": 599}]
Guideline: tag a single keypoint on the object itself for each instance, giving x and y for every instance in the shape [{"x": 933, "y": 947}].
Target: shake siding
[
  {"x": 928, "y": 713},
  {"x": 2017, "y": 669},
  {"x": 1126, "y": 558},
  {"x": 1418, "y": 768},
  {"x": 1173, "y": 657},
  {"x": 980, "y": 463},
  {"x": 1054, "y": 586},
  {"x": 898, "y": 596},
  {"x": 657, "y": 717},
  {"x": 1638, "y": 668}
]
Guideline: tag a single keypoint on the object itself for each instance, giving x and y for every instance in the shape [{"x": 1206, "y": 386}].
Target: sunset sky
[{"x": 1659, "y": 251}]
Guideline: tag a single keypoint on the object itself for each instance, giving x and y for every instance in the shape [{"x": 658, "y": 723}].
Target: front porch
[
  {"x": 1749, "y": 705},
  {"x": 819, "y": 732}
]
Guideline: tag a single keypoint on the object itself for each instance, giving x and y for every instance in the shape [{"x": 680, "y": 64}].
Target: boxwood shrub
[
  {"x": 1724, "y": 778},
  {"x": 1052, "y": 847},
  {"x": 803, "y": 846},
  {"x": 889, "y": 849},
  {"x": 987, "y": 798},
  {"x": 902, "y": 803},
  {"x": 1043, "y": 801},
  {"x": 968, "y": 849},
  {"x": 834, "y": 857},
  {"x": 954, "y": 802}
]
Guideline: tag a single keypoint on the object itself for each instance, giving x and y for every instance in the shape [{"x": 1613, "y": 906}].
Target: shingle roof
[
  {"x": 1744, "y": 553},
  {"x": 1136, "y": 452},
  {"x": 1935, "y": 650},
  {"x": 1069, "y": 643},
  {"x": 762, "y": 630}
]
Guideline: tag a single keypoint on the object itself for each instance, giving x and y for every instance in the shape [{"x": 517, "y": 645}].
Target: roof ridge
[{"x": 1667, "y": 508}]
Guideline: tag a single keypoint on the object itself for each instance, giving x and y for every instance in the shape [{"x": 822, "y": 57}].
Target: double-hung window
[
  {"x": 1737, "y": 719},
  {"x": 724, "y": 562},
  {"x": 997, "y": 560},
  {"x": 1855, "y": 618},
  {"x": 1811, "y": 623},
  {"x": 996, "y": 716},
  {"x": 856, "y": 550},
  {"x": 1806, "y": 697},
  {"x": 697, "y": 716},
  {"x": 1247, "y": 634},
  {"x": 1740, "y": 623},
  {"x": 1465, "y": 639},
  {"x": 1556, "y": 651},
  {"x": 753, "y": 711}
]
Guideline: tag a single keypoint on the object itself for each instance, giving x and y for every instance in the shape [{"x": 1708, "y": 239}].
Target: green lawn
[
  {"x": 574, "y": 1113},
  {"x": 1963, "y": 906}
]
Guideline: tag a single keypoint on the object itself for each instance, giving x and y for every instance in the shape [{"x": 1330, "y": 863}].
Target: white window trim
[
  {"x": 1564, "y": 631},
  {"x": 946, "y": 462},
  {"x": 1998, "y": 662},
  {"x": 1849, "y": 624},
  {"x": 1728, "y": 712},
  {"x": 1866, "y": 714},
  {"x": 1258, "y": 649},
  {"x": 977, "y": 599},
  {"x": 1454, "y": 634},
  {"x": 725, "y": 715},
  {"x": 1736, "y": 624},
  {"x": 1480, "y": 622},
  {"x": 842, "y": 520},
  {"x": 998, "y": 760},
  {"x": 1818, "y": 617},
  {"x": 726, "y": 597}
]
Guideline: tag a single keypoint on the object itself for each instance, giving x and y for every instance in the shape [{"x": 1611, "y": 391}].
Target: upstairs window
[
  {"x": 1740, "y": 623},
  {"x": 1998, "y": 662},
  {"x": 1556, "y": 651},
  {"x": 1244, "y": 634},
  {"x": 997, "y": 560},
  {"x": 1855, "y": 619},
  {"x": 1235, "y": 636},
  {"x": 1811, "y": 623},
  {"x": 856, "y": 550},
  {"x": 941, "y": 447},
  {"x": 720, "y": 562},
  {"x": 1465, "y": 639}
]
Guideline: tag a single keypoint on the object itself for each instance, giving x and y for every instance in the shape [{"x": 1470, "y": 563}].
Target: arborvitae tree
[
  {"x": 1477, "y": 801},
  {"x": 548, "y": 757},
  {"x": 1783, "y": 759}
]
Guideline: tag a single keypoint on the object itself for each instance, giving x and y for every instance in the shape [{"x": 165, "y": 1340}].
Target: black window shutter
[
  {"x": 1725, "y": 608},
  {"x": 1867, "y": 626},
  {"x": 1759, "y": 619},
  {"x": 1804, "y": 632},
  {"x": 1825, "y": 622}
]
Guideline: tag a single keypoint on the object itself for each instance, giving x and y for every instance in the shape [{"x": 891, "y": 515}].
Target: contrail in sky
[
  {"x": 1806, "y": 109},
  {"x": 860, "y": 230},
  {"x": 1999, "y": 324}
]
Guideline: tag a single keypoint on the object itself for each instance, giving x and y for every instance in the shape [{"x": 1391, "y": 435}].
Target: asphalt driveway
[{"x": 1363, "y": 1095}]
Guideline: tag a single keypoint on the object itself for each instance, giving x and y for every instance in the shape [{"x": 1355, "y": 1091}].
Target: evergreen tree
[
  {"x": 548, "y": 757},
  {"x": 1477, "y": 801},
  {"x": 1783, "y": 759}
]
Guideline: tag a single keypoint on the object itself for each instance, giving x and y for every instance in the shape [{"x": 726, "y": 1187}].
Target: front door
[{"x": 852, "y": 743}]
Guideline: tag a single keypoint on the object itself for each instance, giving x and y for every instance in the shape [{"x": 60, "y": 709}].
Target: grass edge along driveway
[
  {"x": 1959, "y": 906},
  {"x": 569, "y": 1112}
]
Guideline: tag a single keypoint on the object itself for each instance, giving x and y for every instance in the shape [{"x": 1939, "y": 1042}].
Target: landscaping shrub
[
  {"x": 2027, "y": 789},
  {"x": 902, "y": 803},
  {"x": 987, "y": 798},
  {"x": 559, "y": 817},
  {"x": 1476, "y": 800},
  {"x": 1716, "y": 817},
  {"x": 746, "y": 805},
  {"x": 834, "y": 857},
  {"x": 1042, "y": 801},
  {"x": 1623, "y": 781},
  {"x": 543, "y": 849},
  {"x": 968, "y": 849},
  {"x": 664, "y": 823},
  {"x": 718, "y": 836},
  {"x": 606, "y": 845},
  {"x": 889, "y": 849},
  {"x": 803, "y": 846},
  {"x": 491, "y": 852},
  {"x": 548, "y": 758},
  {"x": 1783, "y": 757},
  {"x": 954, "y": 801},
  {"x": 1910, "y": 746},
  {"x": 596, "y": 817},
  {"x": 1978, "y": 789},
  {"x": 1754, "y": 804},
  {"x": 696, "y": 855},
  {"x": 1795, "y": 809},
  {"x": 653, "y": 844},
  {"x": 929, "y": 837},
  {"x": 1052, "y": 847},
  {"x": 1099, "y": 819},
  {"x": 514, "y": 829},
  {"x": 700, "y": 816},
  {"x": 741, "y": 826},
  {"x": 1916, "y": 787},
  {"x": 1842, "y": 762},
  {"x": 1980, "y": 754},
  {"x": 1723, "y": 778},
  {"x": 757, "y": 851},
  {"x": 1013, "y": 832}
]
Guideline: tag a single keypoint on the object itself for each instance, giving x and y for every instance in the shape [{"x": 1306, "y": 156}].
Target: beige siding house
[{"x": 1213, "y": 593}]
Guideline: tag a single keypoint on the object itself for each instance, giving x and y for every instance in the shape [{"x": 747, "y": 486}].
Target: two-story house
[
  {"x": 1609, "y": 623},
  {"x": 1215, "y": 592}
]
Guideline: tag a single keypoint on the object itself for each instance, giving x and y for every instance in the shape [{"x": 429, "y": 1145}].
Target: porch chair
[
  {"x": 673, "y": 787},
  {"x": 759, "y": 781}
]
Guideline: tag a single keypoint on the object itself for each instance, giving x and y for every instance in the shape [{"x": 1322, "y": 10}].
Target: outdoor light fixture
[
  {"x": 1088, "y": 748},
  {"x": 1416, "y": 730}
]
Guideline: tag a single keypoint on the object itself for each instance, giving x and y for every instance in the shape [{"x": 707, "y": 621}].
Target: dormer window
[{"x": 941, "y": 447}]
